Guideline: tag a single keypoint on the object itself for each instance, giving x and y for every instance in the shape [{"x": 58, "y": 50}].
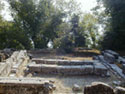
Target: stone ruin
[
  {"x": 67, "y": 67},
  {"x": 111, "y": 60},
  {"x": 12, "y": 79},
  {"x": 25, "y": 86},
  {"x": 5, "y": 54},
  {"x": 12, "y": 65},
  {"x": 40, "y": 86},
  {"x": 102, "y": 88}
]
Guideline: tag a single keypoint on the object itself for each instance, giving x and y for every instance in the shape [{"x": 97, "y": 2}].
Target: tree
[
  {"x": 1, "y": 8},
  {"x": 114, "y": 38},
  {"x": 38, "y": 19},
  {"x": 89, "y": 28},
  {"x": 11, "y": 37},
  {"x": 78, "y": 38}
]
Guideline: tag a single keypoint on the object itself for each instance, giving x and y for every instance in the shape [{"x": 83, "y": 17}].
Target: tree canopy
[{"x": 37, "y": 22}]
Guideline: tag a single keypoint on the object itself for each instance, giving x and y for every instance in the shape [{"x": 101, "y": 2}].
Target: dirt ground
[{"x": 64, "y": 84}]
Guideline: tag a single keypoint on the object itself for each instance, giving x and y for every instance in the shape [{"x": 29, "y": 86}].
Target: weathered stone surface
[
  {"x": 109, "y": 57},
  {"x": 98, "y": 88},
  {"x": 119, "y": 90},
  {"x": 67, "y": 69},
  {"x": 123, "y": 68},
  {"x": 2, "y": 57},
  {"x": 13, "y": 63},
  {"x": 121, "y": 60},
  {"x": 76, "y": 88},
  {"x": 116, "y": 55},
  {"x": 63, "y": 62},
  {"x": 100, "y": 70},
  {"x": 25, "y": 86},
  {"x": 95, "y": 57}
]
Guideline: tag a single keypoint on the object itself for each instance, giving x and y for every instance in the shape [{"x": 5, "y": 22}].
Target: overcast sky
[{"x": 86, "y": 6}]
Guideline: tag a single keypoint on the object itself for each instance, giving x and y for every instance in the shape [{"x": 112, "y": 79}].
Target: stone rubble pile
[
  {"x": 112, "y": 57},
  {"x": 102, "y": 88}
]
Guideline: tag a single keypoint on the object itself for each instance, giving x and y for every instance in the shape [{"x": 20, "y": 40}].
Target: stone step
[
  {"x": 11, "y": 85},
  {"x": 99, "y": 70},
  {"x": 63, "y": 62}
]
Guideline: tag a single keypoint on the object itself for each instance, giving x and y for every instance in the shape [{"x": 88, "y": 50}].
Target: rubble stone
[
  {"x": 110, "y": 58},
  {"x": 98, "y": 88},
  {"x": 25, "y": 86},
  {"x": 123, "y": 68},
  {"x": 119, "y": 90},
  {"x": 76, "y": 88},
  {"x": 116, "y": 55}
]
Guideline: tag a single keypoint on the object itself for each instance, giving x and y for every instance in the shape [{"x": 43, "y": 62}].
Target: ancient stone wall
[
  {"x": 25, "y": 86},
  {"x": 62, "y": 62},
  {"x": 96, "y": 68},
  {"x": 12, "y": 64}
]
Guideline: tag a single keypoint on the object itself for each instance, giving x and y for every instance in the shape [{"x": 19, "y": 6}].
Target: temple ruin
[{"x": 23, "y": 72}]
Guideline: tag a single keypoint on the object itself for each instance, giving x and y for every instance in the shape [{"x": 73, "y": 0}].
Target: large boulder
[
  {"x": 98, "y": 88},
  {"x": 119, "y": 90}
]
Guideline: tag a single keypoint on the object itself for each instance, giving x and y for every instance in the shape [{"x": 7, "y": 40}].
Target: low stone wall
[
  {"x": 25, "y": 86},
  {"x": 63, "y": 62},
  {"x": 97, "y": 69}
]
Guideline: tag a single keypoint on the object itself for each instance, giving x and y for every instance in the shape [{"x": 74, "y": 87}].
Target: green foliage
[
  {"x": 37, "y": 18},
  {"x": 10, "y": 37},
  {"x": 89, "y": 29},
  {"x": 78, "y": 38},
  {"x": 114, "y": 39}
]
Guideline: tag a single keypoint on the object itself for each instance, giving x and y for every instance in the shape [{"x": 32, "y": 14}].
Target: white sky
[{"x": 86, "y": 6}]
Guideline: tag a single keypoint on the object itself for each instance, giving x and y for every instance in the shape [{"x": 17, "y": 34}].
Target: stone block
[
  {"x": 119, "y": 90},
  {"x": 110, "y": 58},
  {"x": 98, "y": 88}
]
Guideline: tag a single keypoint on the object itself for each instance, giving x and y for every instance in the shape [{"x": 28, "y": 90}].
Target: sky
[{"x": 86, "y": 6}]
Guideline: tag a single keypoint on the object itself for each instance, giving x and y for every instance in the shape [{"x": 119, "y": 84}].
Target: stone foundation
[
  {"x": 13, "y": 64},
  {"x": 96, "y": 69},
  {"x": 25, "y": 86},
  {"x": 62, "y": 62}
]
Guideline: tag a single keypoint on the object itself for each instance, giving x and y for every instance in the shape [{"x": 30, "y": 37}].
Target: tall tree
[
  {"x": 89, "y": 25},
  {"x": 78, "y": 38},
  {"x": 114, "y": 38},
  {"x": 37, "y": 18}
]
